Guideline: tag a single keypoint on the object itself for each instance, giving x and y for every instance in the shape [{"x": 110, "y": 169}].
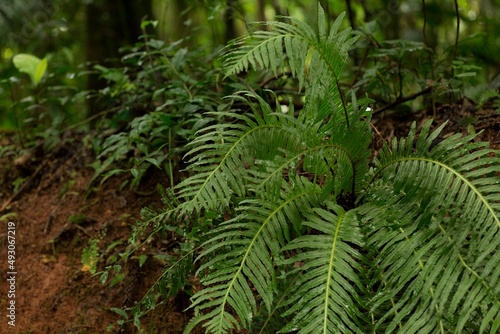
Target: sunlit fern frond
[
  {"x": 320, "y": 56},
  {"x": 240, "y": 256},
  {"x": 329, "y": 292},
  {"x": 432, "y": 220}
]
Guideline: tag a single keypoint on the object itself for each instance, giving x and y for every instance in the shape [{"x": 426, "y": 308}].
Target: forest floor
[{"x": 56, "y": 212}]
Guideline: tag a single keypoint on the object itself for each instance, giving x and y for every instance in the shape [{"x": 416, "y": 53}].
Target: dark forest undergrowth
[{"x": 56, "y": 216}]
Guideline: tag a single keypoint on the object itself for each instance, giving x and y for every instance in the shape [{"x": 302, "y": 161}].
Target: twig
[
  {"x": 268, "y": 80},
  {"x": 89, "y": 119},
  {"x": 404, "y": 99},
  {"x": 400, "y": 77},
  {"x": 351, "y": 14},
  {"x": 376, "y": 130},
  {"x": 21, "y": 188}
]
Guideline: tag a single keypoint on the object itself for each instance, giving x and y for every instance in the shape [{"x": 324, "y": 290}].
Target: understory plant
[
  {"x": 44, "y": 105},
  {"x": 302, "y": 228},
  {"x": 158, "y": 97}
]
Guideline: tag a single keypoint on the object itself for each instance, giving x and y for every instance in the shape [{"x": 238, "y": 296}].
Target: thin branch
[
  {"x": 400, "y": 77},
  {"x": 21, "y": 188},
  {"x": 272, "y": 78},
  {"x": 350, "y": 13},
  {"x": 431, "y": 64},
  {"x": 404, "y": 99},
  {"x": 352, "y": 20},
  {"x": 342, "y": 99}
]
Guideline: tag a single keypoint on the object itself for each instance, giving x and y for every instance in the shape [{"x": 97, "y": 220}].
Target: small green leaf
[
  {"x": 117, "y": 279},
  {"x": 137, "y": 321},
  {"x": 113, "y": 245},
  {"x": 146, "y": 23},
  {"x": 40, "y": 70},
  {"x": 31, "y": 65},
  {"x": 104, "y": 277},
  {"x": 120, "y": 312},
  {"x": 135, "y": 172},
  {"x": 156, "y": 44},
  {"x": 153, "y": 161},
  {"x": 142, "y": 259}
]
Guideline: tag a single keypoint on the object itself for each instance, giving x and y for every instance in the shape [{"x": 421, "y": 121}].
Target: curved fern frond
[
  {"x": 328, "y": 297},
  {"x": 271, "y": 144},
  {"x": 221, "y": 151},
  {"x": 321, "y": 56},
  {"x": 434, "y": 218},
  {"x": 241, "y": 256}
]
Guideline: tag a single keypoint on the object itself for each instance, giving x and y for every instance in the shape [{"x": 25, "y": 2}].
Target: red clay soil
[{"x": 55, "y": 215}]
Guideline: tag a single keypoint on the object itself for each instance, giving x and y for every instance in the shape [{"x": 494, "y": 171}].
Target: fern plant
[{"x": 312, "y": 234}]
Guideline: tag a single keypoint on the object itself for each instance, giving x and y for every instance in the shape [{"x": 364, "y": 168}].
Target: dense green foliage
[
  {"x": 285, "y": 219},
  {"x": 306, "y": 232},
  {"x": 160, "y": 95}
]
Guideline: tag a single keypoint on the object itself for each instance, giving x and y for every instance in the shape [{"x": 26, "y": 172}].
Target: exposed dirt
[{"x": 55, "y": 215}]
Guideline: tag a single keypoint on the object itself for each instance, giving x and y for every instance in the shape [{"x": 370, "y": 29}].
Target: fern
[
  {"x": 253, "y": 237},
  {"x": 221, "y": 151},
  {"x": 316, "y": 59},
  {"x": 297, "y": 46},
  {"x": 329, "y": 297},
  {"x": 444, "y": 207},
  {"x": 311, "y": 235}
]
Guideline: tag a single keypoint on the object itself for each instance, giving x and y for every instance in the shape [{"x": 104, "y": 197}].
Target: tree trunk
[{"x": 111, "y": 25}]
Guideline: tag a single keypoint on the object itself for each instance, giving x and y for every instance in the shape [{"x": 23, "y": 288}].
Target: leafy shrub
[
  {"x": 396, "y": 72},
  {"x": 299, "y": 229},
  {"x": 158, "y": 98}
]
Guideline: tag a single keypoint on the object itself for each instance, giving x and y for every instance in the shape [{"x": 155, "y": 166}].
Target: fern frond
[
  {"x": 435, "y": 216},
  {"x": 221, "y": 151},
  {"x": 240, "y": 257},
  {"x": 328, "y": 298},
  {"x": 323, "y": 151},
  {"x": 321, "y": 56}
]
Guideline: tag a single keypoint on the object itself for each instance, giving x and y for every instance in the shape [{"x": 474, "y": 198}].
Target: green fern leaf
[
  {"x": 307, "y": 54},
  {"x": 434, "y": 217},
  {"x": 219, "y": 154},
  {"x": 328, "y": 298},
  {"x": 241, "y": 257}
]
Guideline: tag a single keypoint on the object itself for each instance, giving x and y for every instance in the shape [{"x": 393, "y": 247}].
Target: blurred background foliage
[{"x": 77, "y": 35}]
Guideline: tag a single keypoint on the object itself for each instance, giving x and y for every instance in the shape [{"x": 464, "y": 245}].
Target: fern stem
[
  {"x": 290, "y": 287},
  {"x": 292, "y": 158},
  {"x": 402, "y": 100},
  {"x": 341, "y": 98},
  {"x": 329, "y": 276}
]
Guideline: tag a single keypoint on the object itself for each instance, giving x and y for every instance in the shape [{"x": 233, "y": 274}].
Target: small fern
[{"x": 311, "y": 235}]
